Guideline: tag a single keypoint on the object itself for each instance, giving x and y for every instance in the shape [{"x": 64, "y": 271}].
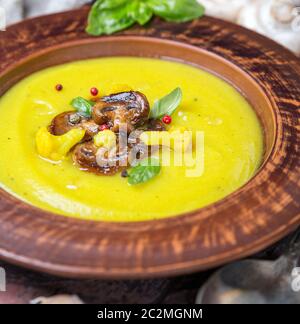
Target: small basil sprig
[
  {"x": 83, "y": 106},
  {"x": 177, "y": 10},
  {"x": 110, "y": 16},
  {"x": 166, "y": 105},
  {"x": 144, "y": 171}
]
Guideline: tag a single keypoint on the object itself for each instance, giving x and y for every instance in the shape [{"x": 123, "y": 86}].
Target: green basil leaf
[
  {"x": 83, "y": 106},
  {"x": 177, "y": 10},
  {"x": 144, "y": 171},
  {"x": 141, "y": 12},
  {"x": 108, "y": 4},
  {"x": 105, "y": 18},
  {"x": 167, "y": 105},
  {"x": 110, "y": 16}
]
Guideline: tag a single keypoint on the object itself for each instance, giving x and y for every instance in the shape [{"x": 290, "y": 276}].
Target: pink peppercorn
[
  {"x": 94, "y": 91},
  {"x": 167, "y": 119}
]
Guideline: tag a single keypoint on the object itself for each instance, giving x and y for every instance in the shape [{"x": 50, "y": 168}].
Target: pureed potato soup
[{"x": 50, "y": 147}]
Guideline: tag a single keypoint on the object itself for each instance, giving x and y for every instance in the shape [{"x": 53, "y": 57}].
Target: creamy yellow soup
[{"x": 233, "y": 141}]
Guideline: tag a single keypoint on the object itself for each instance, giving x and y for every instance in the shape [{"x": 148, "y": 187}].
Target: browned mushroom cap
[
  {"x": 130, "y": 108},
  {"x": 91, "y": 129},
  {"x": 154, "y": 125},
  {"x": 86, "y": 156},
  {"x": 137, "y": 149},
  {"x": 66, "y": 121}
]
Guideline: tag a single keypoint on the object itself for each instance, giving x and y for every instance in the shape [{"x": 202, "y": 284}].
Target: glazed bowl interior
[{"x": 154, "y": 48}]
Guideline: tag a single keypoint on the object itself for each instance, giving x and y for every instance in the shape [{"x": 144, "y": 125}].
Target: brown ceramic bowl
[{"x": 257, "y": 215}]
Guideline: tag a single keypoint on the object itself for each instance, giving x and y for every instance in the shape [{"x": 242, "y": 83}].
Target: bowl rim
[{"x": 155, "y": 268}]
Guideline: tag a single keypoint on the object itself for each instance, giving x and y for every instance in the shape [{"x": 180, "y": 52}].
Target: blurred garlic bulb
[
  {"x": 277, "y": 19},
  {"x": 256, "y": 281},
  {"x": 58, "y": 299},
  {"x": 224, "y": 9},
  {"x": 37, "y": 8},
  {"x": 251, "y": 282},
  {"x": 13, "y": 10}
]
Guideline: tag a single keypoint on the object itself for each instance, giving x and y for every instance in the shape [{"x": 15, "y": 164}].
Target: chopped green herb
[
  {"x": 144, "y": 171},
  {"x": 167, "y": 105},
  {"x": 83, "y": 106}
]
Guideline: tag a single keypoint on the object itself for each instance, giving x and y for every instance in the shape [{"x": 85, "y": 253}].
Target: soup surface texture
[{"x": 233, "y": 141}]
